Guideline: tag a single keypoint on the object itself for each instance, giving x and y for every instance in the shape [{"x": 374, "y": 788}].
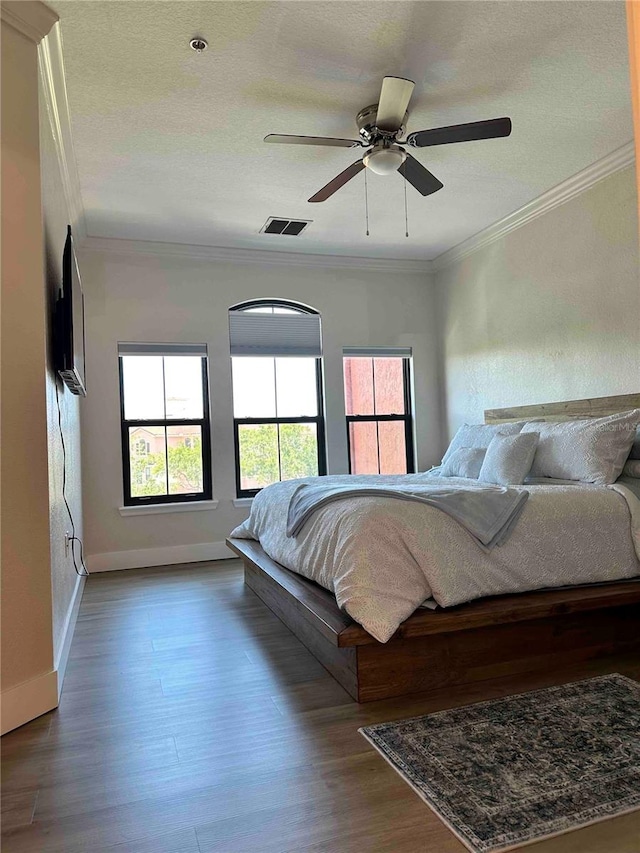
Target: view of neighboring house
[
  {"x": 376, "y": 394},
  {"x": 154, "y": 448}
]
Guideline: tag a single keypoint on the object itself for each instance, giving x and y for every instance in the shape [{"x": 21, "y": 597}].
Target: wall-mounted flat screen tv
[{"x": 69, "y": 324}]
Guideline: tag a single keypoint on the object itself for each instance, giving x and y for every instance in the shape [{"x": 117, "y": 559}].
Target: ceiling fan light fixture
[{"x": 383, "y": 160}]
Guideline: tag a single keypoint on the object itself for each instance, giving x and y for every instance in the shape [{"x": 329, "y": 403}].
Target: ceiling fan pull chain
[
  {"x": 406, "y": 215},
  {"x": 366, "y": 201}
]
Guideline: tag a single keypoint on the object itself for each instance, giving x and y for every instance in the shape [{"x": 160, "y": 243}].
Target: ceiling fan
[{"x": 380, "y": 126}]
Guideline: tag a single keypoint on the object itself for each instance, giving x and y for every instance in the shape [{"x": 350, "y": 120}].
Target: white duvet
[{"x": 383, "y": 557}]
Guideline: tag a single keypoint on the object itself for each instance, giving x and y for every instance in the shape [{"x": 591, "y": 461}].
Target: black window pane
[
  {"x": 392, "y": 447},
  {"x": 143, "y": 387},
  {"x": 363, "y": 447},
  {"x": 298, "y": 451},
  {"x": 148, "y": 468},
  {"x": 389, "y": 386},
  {"x": 296, "y": 391},
  {"x": 183, "y": 387},
  {"x": 254, "y": 387},
  {"x": 185, "y": 459},
  {"x": 258, "y": 452},
  {"x": 358, "y": 386}
]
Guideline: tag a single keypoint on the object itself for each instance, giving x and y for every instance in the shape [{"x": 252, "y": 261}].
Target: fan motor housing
[{"x": 369, "y": 133}]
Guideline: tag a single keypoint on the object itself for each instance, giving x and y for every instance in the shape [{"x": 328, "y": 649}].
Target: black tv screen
[{"x": 69, "y": 336}]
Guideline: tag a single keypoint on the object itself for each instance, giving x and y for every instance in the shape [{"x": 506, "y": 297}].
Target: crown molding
[
  {"x": 35, "y": 20},
  {"x": 619, "y": 159},
  {"x": 563, "y": 192},
  {"x": 29, "y": 17},
  {"x": 55, "y": 95},
  {"x": 113, "y": 245}
]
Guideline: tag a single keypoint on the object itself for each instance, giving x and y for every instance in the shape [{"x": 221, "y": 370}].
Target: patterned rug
[{"x": 504, "y": 773}]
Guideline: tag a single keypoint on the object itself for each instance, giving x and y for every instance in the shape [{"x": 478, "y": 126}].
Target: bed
[{"x": 492, "y": 636}]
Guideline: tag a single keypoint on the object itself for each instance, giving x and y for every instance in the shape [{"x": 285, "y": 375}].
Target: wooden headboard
[{"x": 568, "y": 410}]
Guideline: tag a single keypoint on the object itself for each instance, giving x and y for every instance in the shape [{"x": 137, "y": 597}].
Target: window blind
[
  {"x": 257, "y": 333},
  {"x": 125, "y": 348},
  {"x": 377, "y": 352}
]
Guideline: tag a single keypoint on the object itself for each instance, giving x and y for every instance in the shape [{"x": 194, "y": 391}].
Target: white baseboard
[
  {"x": 31, "y": 699},
  {"x": 167, "y": 556},
  {"x": 67, "y": 632},
  {"x": 26, "y": 701}
]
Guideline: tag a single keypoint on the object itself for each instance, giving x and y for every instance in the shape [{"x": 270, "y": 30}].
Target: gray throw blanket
[{"x": 488, "y": 513}]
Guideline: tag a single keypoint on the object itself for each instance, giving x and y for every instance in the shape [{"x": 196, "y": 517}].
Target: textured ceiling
[{"x": 169, "y": 143}]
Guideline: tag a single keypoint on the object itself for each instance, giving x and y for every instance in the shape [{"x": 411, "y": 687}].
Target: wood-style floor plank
[{"x": 193, "y": 721}]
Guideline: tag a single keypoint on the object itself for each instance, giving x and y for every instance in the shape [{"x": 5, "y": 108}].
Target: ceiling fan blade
[
  {"x": 339, "y": 181},
  {"x": 395, "y": 95},
  {"x": 490, "y": 129},
  {"x": 285, "y": 139},
  {"x": 419, "y": 177}
]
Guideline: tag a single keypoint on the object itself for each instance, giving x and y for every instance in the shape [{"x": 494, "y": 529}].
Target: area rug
[{"x": 506, "y": 773}]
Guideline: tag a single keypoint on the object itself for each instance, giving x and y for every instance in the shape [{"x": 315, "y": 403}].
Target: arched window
[
  {"x": 276, "y": 358},
  {"x": 274, "y": 306}
]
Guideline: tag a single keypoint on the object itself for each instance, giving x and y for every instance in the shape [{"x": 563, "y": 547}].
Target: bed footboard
[{"x": 487, "y": 639}]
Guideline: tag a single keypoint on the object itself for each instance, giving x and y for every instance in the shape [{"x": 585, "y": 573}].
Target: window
[
  {"x": 378, "y": 409},
  {"x": 276, "y": 360},
  {"x": 164, "y": 405}
]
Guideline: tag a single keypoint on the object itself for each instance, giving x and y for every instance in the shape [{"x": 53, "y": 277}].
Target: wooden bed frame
[{"x": 488, "y": 638}]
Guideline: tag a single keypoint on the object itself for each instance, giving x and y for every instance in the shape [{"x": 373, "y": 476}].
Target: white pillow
[
  {"x": 593, "y": 450},
  {"x": 508, "y": 459},
  {"x": 479, "y": 436},
  {"x": 464, "y": 462}
]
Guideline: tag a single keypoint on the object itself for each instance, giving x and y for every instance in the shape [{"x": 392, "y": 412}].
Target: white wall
[
  {"x": 56, "y": 217},
  {"x": 136, "y": 297},
  {"x": 549, "y": 312}
]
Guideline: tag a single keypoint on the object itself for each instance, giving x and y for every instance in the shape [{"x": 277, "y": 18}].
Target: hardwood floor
[{"x": 192, "y": 721}]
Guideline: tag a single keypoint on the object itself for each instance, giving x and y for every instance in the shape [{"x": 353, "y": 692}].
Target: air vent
[{"x": 291, "y": 227}]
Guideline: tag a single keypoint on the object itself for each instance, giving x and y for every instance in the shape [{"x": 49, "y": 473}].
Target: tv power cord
[{"x": 73, "y": 538}]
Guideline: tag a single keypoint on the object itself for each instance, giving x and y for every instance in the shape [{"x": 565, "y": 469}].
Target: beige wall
[
  {"x": 168, "y": 298},
  {"x": 29, "y": 685},
  {"x": 549, "y": 312},
  {"x": 56, "y": 217}
]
